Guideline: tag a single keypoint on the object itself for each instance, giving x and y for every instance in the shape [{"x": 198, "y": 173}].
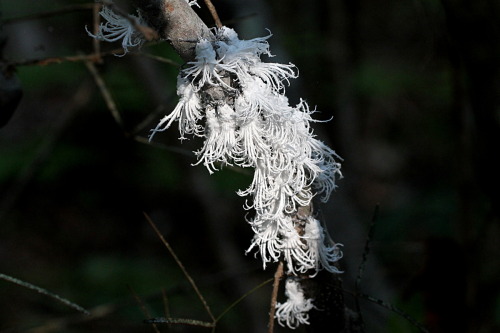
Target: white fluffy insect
[
  {"x": 117, "y": 27},
  {"x": 295, "y": 310}
]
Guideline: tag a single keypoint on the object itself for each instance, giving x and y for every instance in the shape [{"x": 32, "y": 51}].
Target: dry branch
[{"x": 176, "y": 22}]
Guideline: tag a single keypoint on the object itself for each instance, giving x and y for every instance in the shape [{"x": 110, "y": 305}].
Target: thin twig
[
  {"x": 73, "y": 104},
  {"x": 364, "y": 259},
  {"x": 173, "y": 149},
  {"x": 213, "y": 12},
  {"x": 56, "y": 12},
  {"x": 396, "y": 310},
  {"x": 274, "y": 296},
  {"x": 239, "y": 19},
  {"x": 185, "y": 152},
  {"x": 43, "y": 292},
  {"x": 106, "y": 94},
  {"x": 165, "y": 304},
  {"x": 96, "y": 42},
  {"x": 93, "y": 57},
  {"x": 148, "y": 119},
  {"x": 143, "y": 307},
  {"x": 148, "y": 33},
  {"x": 390, "y": 307},
  {"x": 242, "y": 298},
  {"x": 182, "y": 321},
  {"x": 57, "y": 60},
  {"x": 366, "y": 250},
  {"x": 179, "y": 263},
  {"x": 160, "y": 59}
]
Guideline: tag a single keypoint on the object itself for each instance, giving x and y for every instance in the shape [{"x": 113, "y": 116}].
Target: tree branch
[
  {"x": 213, "y": 12},
  {"x": 176, "y": 22}
]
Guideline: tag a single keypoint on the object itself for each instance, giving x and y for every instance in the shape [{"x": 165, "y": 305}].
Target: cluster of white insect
[{"x": 254, "y": 126}]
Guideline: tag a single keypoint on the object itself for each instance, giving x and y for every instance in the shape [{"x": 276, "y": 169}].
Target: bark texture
[{"x": 176, "y": 22}]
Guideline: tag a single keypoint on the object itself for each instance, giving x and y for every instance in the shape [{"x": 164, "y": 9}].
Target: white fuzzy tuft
[
  {"x": 295, "y": 310},
  {"x": 118, "y": 28},
  {"x": 193, "y": 3}
]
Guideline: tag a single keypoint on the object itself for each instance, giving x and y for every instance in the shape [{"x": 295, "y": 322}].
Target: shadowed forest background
[{"x": 413, "y": 90}]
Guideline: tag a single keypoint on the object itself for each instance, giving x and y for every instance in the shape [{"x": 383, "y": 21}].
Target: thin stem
[
  {"x": 106, "y": 94},
  {"x": 152, "y": 116},
  {"x": 179, "y": 263},
  {"x": 274, "y": 296},
  {"x": 93, "y": 57},
  {"x": 173, "y": 149},
  {"x": 366, "y": 250},
  {"x": 364, "y": 259},
  {"x": 394, "y": 309},
  {"x": 182, "y": 321},
  {"x": 57, "y": 60},
  {"x": 389, "y": 307},
  {"x": 242, "y": 298},
  {"x": 143, "y": 307},
  {"x": 166, "y": 304},
  {"x": 56, "y": 12},
  {"x": 43, "y": 292},
  {"x": 96, "y": 43},
  {"x": 31, "y": 167},
  {"x": 160, "y": 59},
  {"x": 213, "y": 12}
]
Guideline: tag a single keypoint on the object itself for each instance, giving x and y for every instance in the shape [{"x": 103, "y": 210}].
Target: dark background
[{"x": 413, "y": 88}]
